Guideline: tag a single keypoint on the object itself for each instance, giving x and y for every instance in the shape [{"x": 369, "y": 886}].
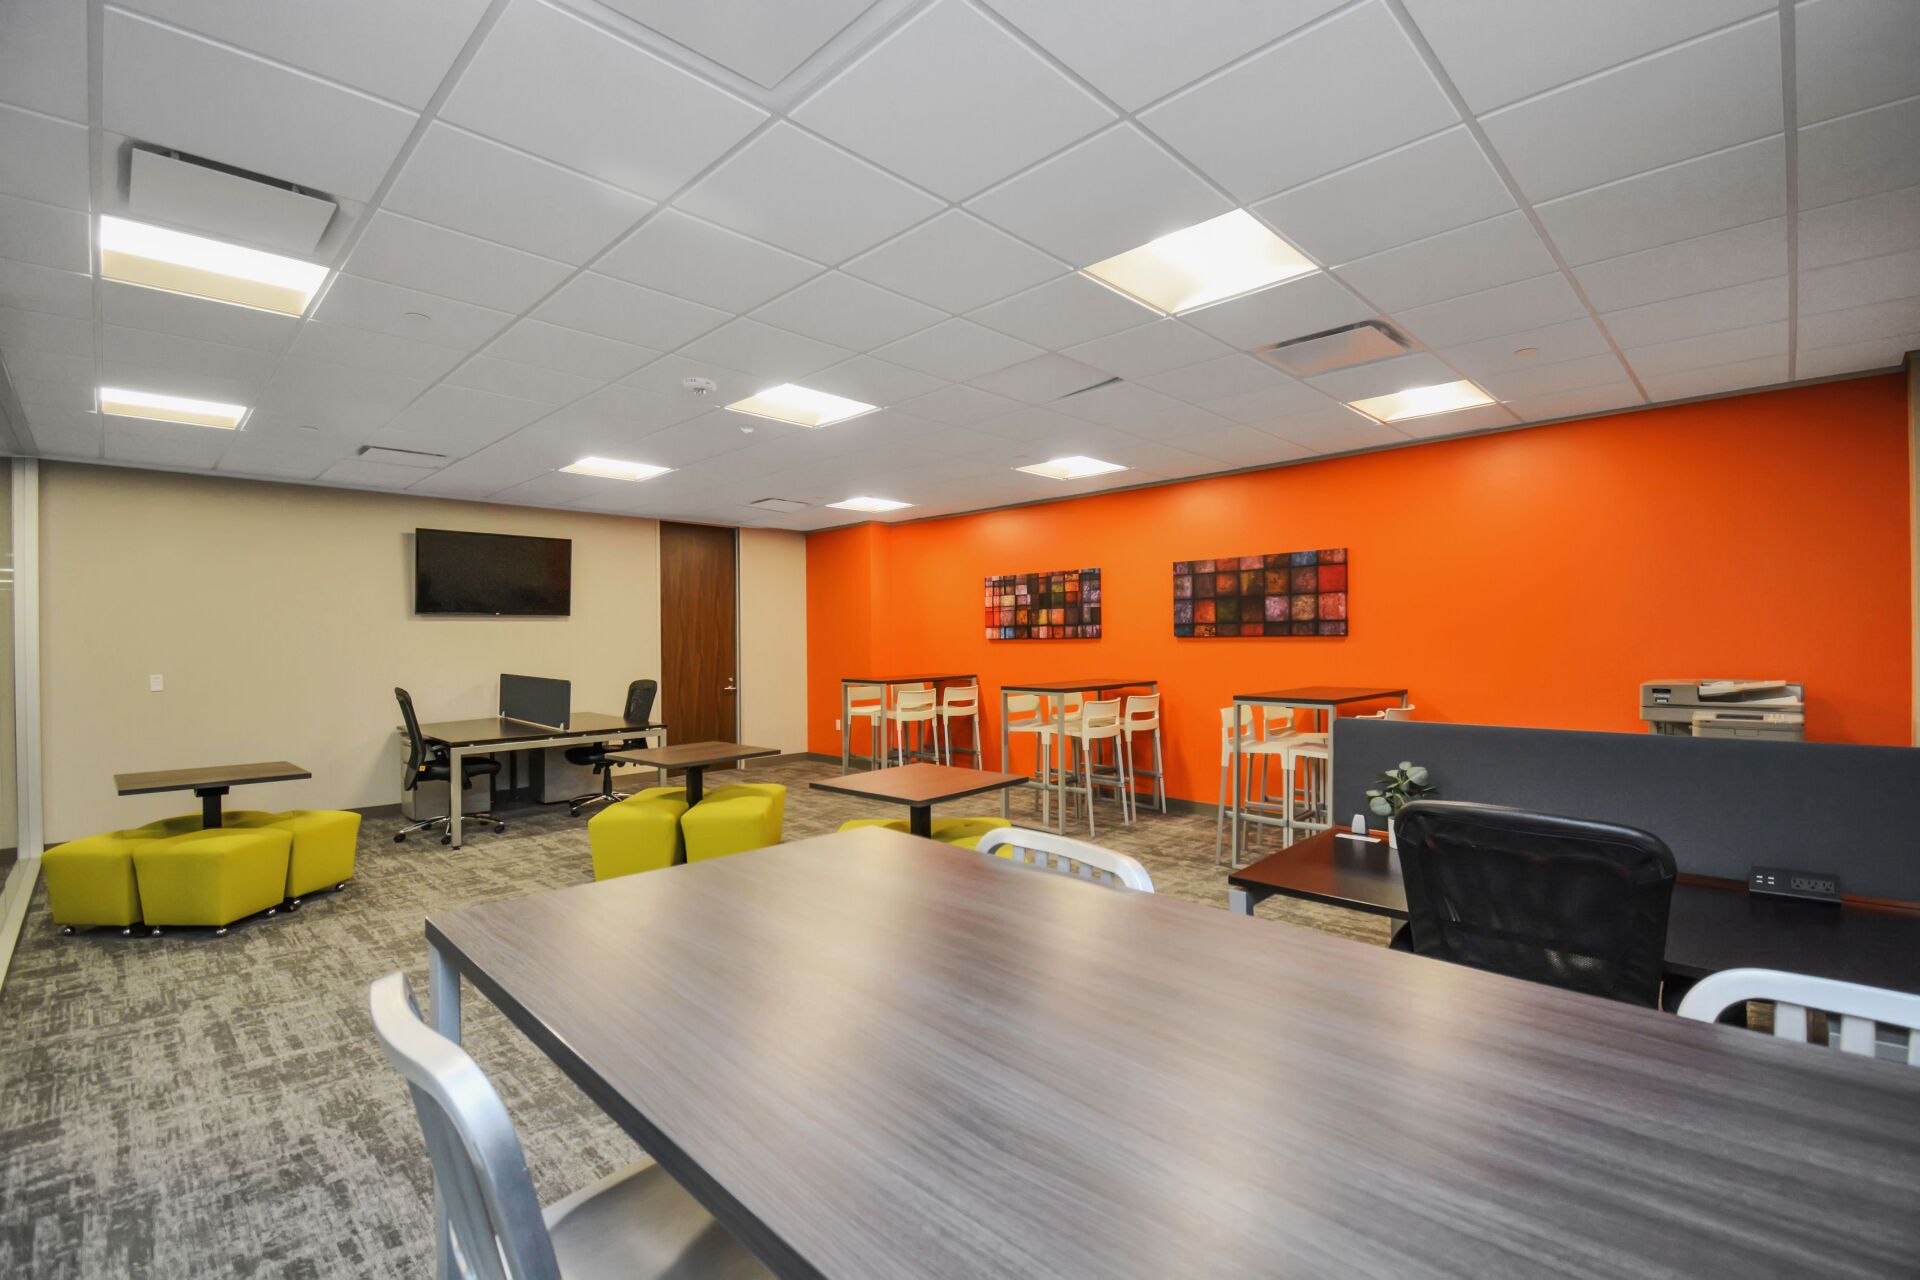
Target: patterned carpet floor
[{"x": 198, "y": 1106}]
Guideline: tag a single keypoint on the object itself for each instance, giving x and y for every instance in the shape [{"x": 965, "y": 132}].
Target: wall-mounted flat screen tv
[{"x": 491, "y": 573}]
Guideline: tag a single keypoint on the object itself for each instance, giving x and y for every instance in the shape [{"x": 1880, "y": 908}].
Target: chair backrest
[
  {"x": 913, "y": 704},
  {"x": 1564, "y": 901},
  {"x": 1144, "y": 708},
  {"x": 865, "y": 698},
  {"x": 1247, "y": 734},
  {"x": 640, "y": 696},
  {"x": 417, "y": 751},
  {"x": 1100, "y": 717},
  {"x": 479, "y": 1170},
  {"x": 960, "y": 697},
  {"x": 1023, "y": 708},
  {"x": 1398, "y": 713},
  {"x": 1861, "y": 1010},
  {"x": 1064, "y": 855}
]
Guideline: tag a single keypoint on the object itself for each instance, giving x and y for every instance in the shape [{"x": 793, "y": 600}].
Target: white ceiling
[{"x": 552, "y": 211}]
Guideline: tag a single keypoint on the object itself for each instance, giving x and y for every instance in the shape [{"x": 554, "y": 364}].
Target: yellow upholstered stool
[
  {"x": 324, "y": 841},
  {"x": 168, "y": 827},
  {"x": 639, "y": 833},
  {"x": 212, "y": 877},
  {"x": 734, "y": 819},
  {"x": 90, "y": 882},
  {"x": 966, "y": 832},
  {"x": 891, "y": 824}
]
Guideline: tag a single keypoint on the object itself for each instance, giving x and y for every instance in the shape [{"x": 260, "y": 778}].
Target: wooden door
[{"x": 697, "y": 639}]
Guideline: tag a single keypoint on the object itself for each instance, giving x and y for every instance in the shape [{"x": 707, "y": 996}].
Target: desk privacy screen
[
  {"x": 537, "y": 700},
  {"x": 1722, "y": 805}
]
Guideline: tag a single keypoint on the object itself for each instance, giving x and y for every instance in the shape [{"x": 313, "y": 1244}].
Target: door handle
[{"x": 730, "y": 688}]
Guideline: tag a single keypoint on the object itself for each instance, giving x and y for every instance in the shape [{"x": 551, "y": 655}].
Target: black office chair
[
  {"x": 427, "y": 762},
  {"x": 1564, "y": 901},
  {"x": 639, "y": 710}
]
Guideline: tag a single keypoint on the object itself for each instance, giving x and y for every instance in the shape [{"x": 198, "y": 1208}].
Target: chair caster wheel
[
  {"x": 498, "y": 827},
  {"x": 446, "y": 839},
  {"x": 293, "y": 904},
  {"x": 127, "y": 932},
  {"x": 66, "y": 931},
  {"x": 400, "y": 837},
  {"x": 273, "y": 911},
  {"x": 337, "y": 888},
  {"x": 155, "y": 933},
  {"x": 221, "y": 932}
]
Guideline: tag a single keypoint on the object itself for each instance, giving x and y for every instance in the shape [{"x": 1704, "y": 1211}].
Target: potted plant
[{"x": 1397, "y": 786}]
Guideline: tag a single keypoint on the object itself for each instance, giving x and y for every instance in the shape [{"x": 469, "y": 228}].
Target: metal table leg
[
  {"x": 846, "y": 728},
  {"x": 1233, "y": 814},
  {"x": 1059, "y": 764},
  {"x": 1006, "y": 794},
  {"x": 443, "y": 1007},
  {"x": 456, "y": 793},
  {"x": 1241, "y": 902}
]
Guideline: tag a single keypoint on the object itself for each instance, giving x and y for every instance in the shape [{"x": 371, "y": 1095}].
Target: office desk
[
  {"x": 1325, "y": 701},
  {"x": 1057, "y": 690},
  {"x": 488, "y": 735},
  {"x": 210, "y": 782},
  {"x": 961, "y": 1067},
  {"x": 1712, "y": 924}
]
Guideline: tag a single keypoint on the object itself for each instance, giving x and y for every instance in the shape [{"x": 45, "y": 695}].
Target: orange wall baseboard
[{"x": 1534, "y": 577}]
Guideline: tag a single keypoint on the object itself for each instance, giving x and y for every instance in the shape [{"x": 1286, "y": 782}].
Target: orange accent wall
[{"x": 1534, "y": 578}]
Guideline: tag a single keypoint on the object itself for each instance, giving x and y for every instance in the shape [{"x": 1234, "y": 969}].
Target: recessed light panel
[
  {"x": 870, "y": 504},
  {"x": 139, "y": 253},
  {"x": 122, "y": 403},
  {"x": 802, "y": 406},
  {"x": 1077, "y": 467},
  {"x": 1422, "y": 402},
  {"x": 1218, "y": 259},
  {"x": 615, "y": 469}
]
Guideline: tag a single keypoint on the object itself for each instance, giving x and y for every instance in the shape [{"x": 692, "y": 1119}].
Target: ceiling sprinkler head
[{"x": 699, "y": 386}]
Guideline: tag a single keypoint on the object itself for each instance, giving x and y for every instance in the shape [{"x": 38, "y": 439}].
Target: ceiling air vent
[
  {"x": 1104, "y": 382},
  {"x": 229, "y": 203},
  {"x": 1342, "y": 348},
  {"x": 780, "y": 504},
  {"x": 402, "y": 457}
]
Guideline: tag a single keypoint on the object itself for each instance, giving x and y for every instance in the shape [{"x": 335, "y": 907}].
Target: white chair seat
[{"x": 639, "y": 1224}]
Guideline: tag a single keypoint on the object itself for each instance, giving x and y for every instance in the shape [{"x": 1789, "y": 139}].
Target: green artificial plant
[{"x": 1397, "y": 786}]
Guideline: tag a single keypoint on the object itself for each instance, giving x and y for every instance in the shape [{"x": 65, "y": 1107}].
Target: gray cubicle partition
[
  {"x": 1722, "y": 805},
  {"x": 537, "y": 700}
]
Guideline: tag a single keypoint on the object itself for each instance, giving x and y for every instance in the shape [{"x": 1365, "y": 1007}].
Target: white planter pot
[{"x": 1392, "y": 841}]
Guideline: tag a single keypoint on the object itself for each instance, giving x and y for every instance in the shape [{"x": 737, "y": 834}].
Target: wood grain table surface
[
  {"x": 873, "y": 1056},
  {"x": 1322, "y": 695},
  {"x": 920, "y": 784},
  {"x": 696, "y": 755},
  {"x": 486, "y": 730},
  {"x": 213, "y": 775}
]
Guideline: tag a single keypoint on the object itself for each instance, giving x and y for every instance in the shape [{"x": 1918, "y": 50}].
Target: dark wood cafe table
[
  {"x": 920, "y": 787},
  {"x": 696, "y": 758},
  {"x": 210, "y": 782}
]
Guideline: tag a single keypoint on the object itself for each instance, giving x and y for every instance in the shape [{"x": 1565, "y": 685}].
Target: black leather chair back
[
  {"x": 640, "y": 696},
  {"x": 1564, "y": 901},
  {"x": 416, "y": 741}
]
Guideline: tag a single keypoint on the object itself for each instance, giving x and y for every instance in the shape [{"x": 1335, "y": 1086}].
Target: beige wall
[
  {"x": 281, "y": 618},
  {"x": 773, "y": 638}
]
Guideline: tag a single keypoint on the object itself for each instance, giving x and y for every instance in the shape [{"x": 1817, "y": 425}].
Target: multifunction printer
[{"x": 1773, "y": 710}]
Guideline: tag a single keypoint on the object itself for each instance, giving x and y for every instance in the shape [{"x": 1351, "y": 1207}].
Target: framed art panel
[
  {"x": 1294, "y": 593},
  {"x": 1062, "y": 604}
]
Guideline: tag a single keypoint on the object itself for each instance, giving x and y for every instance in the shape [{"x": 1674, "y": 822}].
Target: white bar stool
[
  {"x": 912, "y": 706},
  {"x": 959, "y": 702},
  {"x": 867, "y": 702},
  {"x": 1142, "y": 715},
  {"x": 1100, "y": 722},
  {"x": 1253, "y": 744}
]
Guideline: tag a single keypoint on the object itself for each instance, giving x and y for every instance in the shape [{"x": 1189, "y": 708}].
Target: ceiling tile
[
  {"x": 163, "y": 444},
  {"x": 955, "y": 262},
  {"x": 1334, "y": 428},
  {"x": 1419, "y": 190},
  {"x": 1438, "y": 425},
  {"x": 1383, "y": 377},
  {"x": 872, "y": 381},
  {"x": 458, "y": 180},
  {"x": 34, "y": 288},
  {"x": 1699, "y": 97},
  {"x": 1860, "y": 155},
  {"x": 627, "y": 312},
  {"x": 50, "y": 366},
  {"x": 415, "y": 45},
  {"x": 850, "y": 313},
  {"x": 1731, "y": 188},
  {"x": 274, "y": 453},
  {"x": 1360, "y": 60},
  {"x": 1149, "y": 349},
  {"x": 1504, "y": 309},
  {"x": 43, "y": 56},
  {"x": 245, "y": 366},
  {"x": 408, "y": 313},
  {"x": 73, "y": 435},
  {"x": 794, "y": 191},
  {"x": 1111, "y": 193},
  {"x": 1605, "y": 398},
  {"x": 763, "y": 40},
  {"x": 586, "y": 355},
  {"x": 765, "y": 351},
  {"x": 359, "y": 473},
  {"x": 1856, "y": 357},
  {"x": 1707, "y": 350},
  {"x": 1495, "y": 252},
  {"x": 667, "y": 377},
  {"x": 244, "y": 111},
  {"x": 1311, "y": 304},
  {"x": 1716, "y": 261},
  {"x": 350, "y": 403},
  {"x": 43, "y": 159},
  {"x": 1259, "y": 407},
  {"x": 1869, "y": 227},
  {"x": 1041, "y": 379},
  {"x": 44, "y": 234},
  {"x": 957, "y": 350},
  {"x": 1854, "y": 54},
  {"x": 1853, "y": 284},
  {"x": 1764, "y": 371},
  {"x": 915, "y": 103},
  {"x": 1135, "y": 51},
  {"x": 1739, "y": 307},
  {"x": 523, "y": 381},
  {"x": 1551, "y": 344},
  {"x": 457, "y": 421},
  {"x": 1860, "y": 324},
  {"x": 1498, "y": 50},
  {"x": 63, "y": 396},
  {"x": 612, "y": 421},
  {"x": 366, "y": 349},
  {"x": 1539, "y": 381},
  {"x": 1218, "y": 379},
  {"x": 194, "y": 317},
  {"x": 419, "y": 255},
  {"x": 1128, "y": 406},
  {"x": 1064, "y": 311},
  {"x": 958, "y": 406},
  {"x": 549, "y": 83},
  {"x": 703, "y": 263},
  {"x": 39, "y": 331}
]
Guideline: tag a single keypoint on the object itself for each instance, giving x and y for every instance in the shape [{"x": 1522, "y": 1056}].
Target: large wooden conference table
[{"x": 869, "y": 1055}]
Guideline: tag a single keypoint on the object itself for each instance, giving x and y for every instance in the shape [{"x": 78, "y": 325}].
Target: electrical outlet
[
  {"x": 1784, "y": 882},
  {"x": 836, "y": 726},
  {"x": 155, "y": 683}
]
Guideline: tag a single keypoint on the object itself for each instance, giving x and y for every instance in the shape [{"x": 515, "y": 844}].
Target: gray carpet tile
[{"x": 196, "y": 1106}]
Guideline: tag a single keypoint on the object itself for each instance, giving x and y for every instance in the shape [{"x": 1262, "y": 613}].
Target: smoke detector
[{"x": 699, "y": 386}]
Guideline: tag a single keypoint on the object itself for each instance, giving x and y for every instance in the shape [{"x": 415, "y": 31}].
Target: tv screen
[{"x": 494, "y": 573}]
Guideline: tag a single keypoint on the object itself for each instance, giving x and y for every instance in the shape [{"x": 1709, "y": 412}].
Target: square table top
[
  {"x": 1321, "y": 695},
  {"x": 488, "y": 730},
  {"x": 871, "y": 1056},
  {"x": 893, "y": 680},
  {"x": 213, "y": 775},
  {"x": 1072, "y": 686},
  {"x": 696, "y": 755},
  {"x": 920, "y": 784}
]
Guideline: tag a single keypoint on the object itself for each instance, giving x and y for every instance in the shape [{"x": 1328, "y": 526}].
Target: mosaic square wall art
[
  {"x": 1296, "y": 593},
  {"x": 1063, "y": 604}
]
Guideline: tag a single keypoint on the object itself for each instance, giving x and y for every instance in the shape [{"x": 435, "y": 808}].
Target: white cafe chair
[
  {"x": 913, "y": 706},
  {"x": 1860, "y": 1010},
  {"x": 1093, "y": 723},
  {"x": 866, "y": 702},
  {"x": 1142, "y": 715},
  {"x": 1063, "y": 855},
  {"x": 1256, "y": 746},
  {"x": 958, "y": 702}
]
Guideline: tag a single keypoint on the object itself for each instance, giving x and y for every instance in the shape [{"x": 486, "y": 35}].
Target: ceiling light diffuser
[
  {"x": 1077, "y": 467},
  {"x": 154, "y": 407},
  {"x": 870, "y": 504},
  {"x": 615, "y": 469},
  {"x": 1422, "y": 402},
  {"x": 802, "y": 406},
  {"x": 139, "y": 253},
  {"x": 1212, "y": 261}
]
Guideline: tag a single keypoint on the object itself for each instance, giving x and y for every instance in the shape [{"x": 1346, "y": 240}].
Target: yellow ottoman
[
  {"x": 90, "y": 882},
  {"x": 734, "y": 819},
  {"x": 966, "y": 832},
  {"x": 323, "y": 845},
  {"x": 639, "y": 833},
  {"x": 168, "y": 827},
  {"x": 212, "y": 877}
]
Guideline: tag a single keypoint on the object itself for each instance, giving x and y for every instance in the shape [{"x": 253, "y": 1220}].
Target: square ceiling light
[
  {"x": 139, "y": 253},
  {"x": 1211, "y": 261},
  {"x": 154, "y": 407},
  {"x": 870, "y": 504},
  {"x": 615, "y": 469},
  {"x": 802, "y": 406},
  {"x": 1076, "y": 467},
  {"x": 1422, "y": 402}
]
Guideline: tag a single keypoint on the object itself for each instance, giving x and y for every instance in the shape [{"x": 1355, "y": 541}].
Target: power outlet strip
[{"x": 1783, "y": 882}]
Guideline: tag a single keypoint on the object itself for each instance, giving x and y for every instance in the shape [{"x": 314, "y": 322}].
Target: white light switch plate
[{"x": 156, "y": 683}]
